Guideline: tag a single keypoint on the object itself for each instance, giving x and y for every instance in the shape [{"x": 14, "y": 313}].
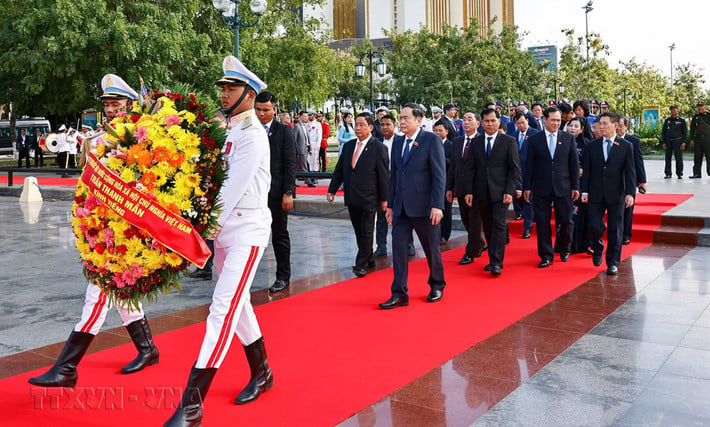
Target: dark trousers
[
  {"x": 476, "y": 239},
  {"x": 628, "y": 221},
  {"x": 429, "y": 235},
  {"x": 280, "y": 239},
  {"x": 322, "y": 159},
  {"x": 39, "y": 158},
  {"x": 23, "y": 154},
  {"x": 701, "y": 149},
  {"x": 210, "y": 261},
  {"x": 525, "y": 209},
  {"x": 542, "y": 208},
  {"x": 446, "y": 221},
  {"x": 363, "y": 221},
  {"x": 673, "y": 149},
  {"x": 381, "y": 229},
  {"x": 615, "y": 218},
  {"x": 63, "y": 159},
  {"x": 495, "y": 228}
]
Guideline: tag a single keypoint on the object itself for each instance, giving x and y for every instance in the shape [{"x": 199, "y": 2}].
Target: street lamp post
[
  {"x": 587, "y": 8},
  {"x": 624, "y": 96},
  {"x": 671, "y": 47},
  {"x": 548, "y": 89},
  {"x": 381, "y": 71},
  {"x": 230, "y": 15}
]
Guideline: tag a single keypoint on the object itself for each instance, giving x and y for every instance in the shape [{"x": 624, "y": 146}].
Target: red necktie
[{"x": 357, "y": 153}]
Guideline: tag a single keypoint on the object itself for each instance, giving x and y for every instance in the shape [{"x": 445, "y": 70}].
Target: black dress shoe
[
  {"x": 626, "y": 242},
  {"x": 496, "y": 270},
  {"x": 394, "y": 302},
  {"x": 679, "y": 177},
  {"x": 201, "y": 274},
  {"x": 526, "y": 234},
  {"x": 694, "y": 176},
  {"x": 435, "y": 295},
  {"x": 518, "y": 217},
  {"x": 442, "y": 241},
  {"x": 489, "y": 267},
  {"x": 564, "y": 256},
  {"x": 667, "y": 177},
  {"x": 465, "y": 259},
  {"x": 597, "y": 260},
  {"x": 545, "y": 263},
  {"x": 360, "y": 272},
  {"x": 411, "y": 251},
  {"x": 480, "y": 251},
  {"x": 279, "y": 286},
  {"x": 371, "y": 263},
  {"x": 612, "y": 270},
  {"x": 380, "y": 252}
]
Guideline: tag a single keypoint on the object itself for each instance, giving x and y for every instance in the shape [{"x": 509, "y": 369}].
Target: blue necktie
[
  {"x": 266, "y": 128},
  {"x": 521, "y": 138},
  {"x": 488, "y": 147},
  {"x": 552, "y": 145},
  {"x": 608, "y": 149},
  {"x": 406, "y": 150}
]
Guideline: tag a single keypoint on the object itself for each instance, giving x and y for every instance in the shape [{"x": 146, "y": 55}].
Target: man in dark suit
[
  {"x": 415, "y": 200},
  {"x": 492, "y": 176},
  {"x": 23, "y": 148},
  {"x": 621, "y": 131},
  {"x": 608, "y": 185},
  {"x": 456, "y": 187},
  {"x": 441, "y": 128},
  {"x": 283, "y": 182},
  {"x": 523, "y": 208},
  {"x": 552, "y": 175},
  {"x": 363, "y": 169}
]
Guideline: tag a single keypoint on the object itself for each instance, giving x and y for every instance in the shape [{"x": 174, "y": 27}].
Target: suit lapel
[{"x": 414, "y": 148}]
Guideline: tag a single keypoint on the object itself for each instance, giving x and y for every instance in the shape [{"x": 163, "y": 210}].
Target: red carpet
[
  {"x": 318, "y": 190},
  {"x": 41, "y": 180},
  {"x": 332, "y": 350}
]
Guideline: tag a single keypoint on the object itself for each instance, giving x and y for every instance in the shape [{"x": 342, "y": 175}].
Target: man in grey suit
[{"x": 303, "y": 146}]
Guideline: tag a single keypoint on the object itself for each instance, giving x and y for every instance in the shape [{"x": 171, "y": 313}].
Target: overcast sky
[{"x": 631, "y": 28}]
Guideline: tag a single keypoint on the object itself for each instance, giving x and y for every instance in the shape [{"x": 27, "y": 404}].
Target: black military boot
[
  {"x": 63, "y": 373},
  {"x": 189, "y": 413},
  {"x": 201, "y": 274},
  {"x": 147, "y": 351},
  {"x": 261, "y": 377}
]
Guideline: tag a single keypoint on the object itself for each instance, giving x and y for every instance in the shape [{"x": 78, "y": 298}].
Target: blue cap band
[{"x": 230, "y": 74}]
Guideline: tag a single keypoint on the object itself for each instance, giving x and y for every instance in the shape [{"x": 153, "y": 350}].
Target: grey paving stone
[{"x": 620, "y": 352}]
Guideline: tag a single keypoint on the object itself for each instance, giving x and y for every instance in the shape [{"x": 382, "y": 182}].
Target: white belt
[{"x": 249, "y": 201}]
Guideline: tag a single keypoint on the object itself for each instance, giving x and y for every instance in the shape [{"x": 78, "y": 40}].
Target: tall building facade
[{"x": 358, "y": 19}]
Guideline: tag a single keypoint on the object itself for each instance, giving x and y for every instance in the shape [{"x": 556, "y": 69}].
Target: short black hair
[
  {"x": 518, "y": 115},
  {"x": 550, "y": 110},
  {"x": 487, "y": 111},
  {"x": 503, "y": 126},
  {"x": 367, "y": 116},
  {"x": 302, "y": 112},
  {"x": 625, "y": 119},
  {"x": 389, "y": 117},
  {"x": 440, "y": 122},
  {"x": 565, "y": 108},
  {"x": 416, "y": 109},
  {"x": 489, "y": 104},
  {"x": 536, "y": 103},
  {"x": 613, "y": 117},
  {"x": 266, "y": 97}
]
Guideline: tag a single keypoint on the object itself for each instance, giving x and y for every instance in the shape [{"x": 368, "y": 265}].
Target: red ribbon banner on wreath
[{"x": 168, "y": 228}]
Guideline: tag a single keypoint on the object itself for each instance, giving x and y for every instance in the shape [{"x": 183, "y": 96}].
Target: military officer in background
[
  {"x": 700, "y": 140},
  {"x": 245, "y": 223},
  {"x": 62, "y": 147},
  {"x": 96, "y": 304},
  {"x": 675, "y": 132}
]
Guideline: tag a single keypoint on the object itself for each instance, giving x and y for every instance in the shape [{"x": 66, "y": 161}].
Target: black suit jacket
[
  {"x": 366, "y": 185},
  {"x": 455, "y": 172},
  {"x": 609, "y": 181},
  {"x": 448, "y": 149},
  {"x": 23, "y": 146},
  {"x": 638, "y": 158},
  {"x": 490, "y": 178},
  {"x": 283, "y": 160},
  {"x": 549, "y": 177}
]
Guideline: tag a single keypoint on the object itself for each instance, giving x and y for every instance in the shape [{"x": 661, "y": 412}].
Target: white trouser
[
  {"x": 231, "y": 310},
  {"x": 313, "y": 159},
  {"x": 96, "y": 306}
]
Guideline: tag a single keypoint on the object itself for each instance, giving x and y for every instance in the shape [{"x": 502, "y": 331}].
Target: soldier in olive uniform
[
  {"x": 675, "y": 132},
  {"x": 700, "y": 139}
]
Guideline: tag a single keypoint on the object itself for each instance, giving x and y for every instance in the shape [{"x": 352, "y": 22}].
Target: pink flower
[
  {"x": 141, "y": 134},
  {"x": 172, "y": 120},
  {"x": 91, "y": 202},
  {"x": 82, "y": 212},
  {"x": 108, "y": 236}
]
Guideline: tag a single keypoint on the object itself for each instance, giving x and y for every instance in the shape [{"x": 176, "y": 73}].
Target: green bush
[{"x": 650, "y": 136}]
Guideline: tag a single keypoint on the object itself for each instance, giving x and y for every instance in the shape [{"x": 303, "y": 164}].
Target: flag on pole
[{"x": 144, "y": 91}]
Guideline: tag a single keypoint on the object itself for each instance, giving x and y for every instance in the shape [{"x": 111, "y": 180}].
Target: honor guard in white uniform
[
  {"x": 96, "y": 304},
  {"x": 62, "y": 148},
  {"x": 315, "y": 136},
  {"x": 245, "y": 223},
  {"x": 72, "y": 140}
]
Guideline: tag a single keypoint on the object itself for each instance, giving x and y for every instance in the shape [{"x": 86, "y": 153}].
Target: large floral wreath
[{"x": 169, "y": 150}]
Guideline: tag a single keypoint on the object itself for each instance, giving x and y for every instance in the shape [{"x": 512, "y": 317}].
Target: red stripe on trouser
[
  {"x": 229, "y": 318},
  {"x": 96, "y": 312}
]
